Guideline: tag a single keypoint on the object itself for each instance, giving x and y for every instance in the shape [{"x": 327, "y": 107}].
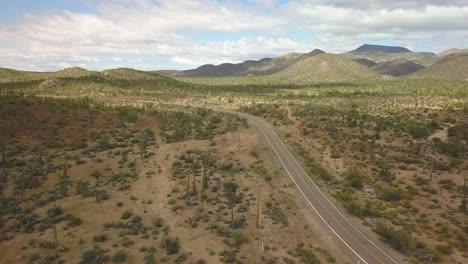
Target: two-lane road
[{"x": 363, "y": 249}]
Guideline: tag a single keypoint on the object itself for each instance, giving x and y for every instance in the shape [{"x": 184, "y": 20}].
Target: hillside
[
  {"x": 325, "y": 68},
  {"x": 452, "y": 51},
  {"x": 9, "y": 75},
  {"x": 365, "y": 62},
  {"x": 451, "y": 67},
  {"x": 397, "y": 68},
  {"x": 279, "y": 63}
]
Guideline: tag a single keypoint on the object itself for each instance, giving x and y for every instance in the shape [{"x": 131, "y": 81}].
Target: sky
[{"x": 49, "y": 35}]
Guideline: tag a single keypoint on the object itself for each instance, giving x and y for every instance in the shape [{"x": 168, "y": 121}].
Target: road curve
[{"x": 363, "y": 249}]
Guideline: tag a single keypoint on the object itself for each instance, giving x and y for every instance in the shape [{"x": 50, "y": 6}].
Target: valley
[{"x": 130, "y": 166}]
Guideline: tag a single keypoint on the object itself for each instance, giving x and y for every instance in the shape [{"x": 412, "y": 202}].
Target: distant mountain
[
  {"x": 450, "y": 67},
  {"x": 263, "y": 66},
  {"x": 325, "y": 68},
  {"x": 368, "y": 48},
  {"x": 379, "y": 53},
  {"x": 225, "y": 69},
  {"x": 279, "y": 63},
  {"x": 397, "y": 68}
]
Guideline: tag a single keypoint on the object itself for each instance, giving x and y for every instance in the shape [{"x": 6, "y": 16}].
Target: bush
[
  {"x": 94, "y": 256},
  {"x": 390, "y": 195},
  {"x": 119, "y": 256},
  {"x": 400, "y": 240},
  {"x": 126, "y": 215},
  {"x": 170, "y": 244},
  {"x": 418, "y": 132},
  {"x": 355, "y": 179},
  {"x": 100, "y": 238},
  {"x": 319, "y": 171}
]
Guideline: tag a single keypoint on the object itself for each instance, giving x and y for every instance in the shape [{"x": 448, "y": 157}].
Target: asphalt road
[{"x": 362, "y": 249}]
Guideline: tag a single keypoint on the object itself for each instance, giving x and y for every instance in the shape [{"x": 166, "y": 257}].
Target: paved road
[{"x": 363, "y": 249}]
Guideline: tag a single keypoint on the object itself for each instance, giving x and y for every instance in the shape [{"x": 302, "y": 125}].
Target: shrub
[
  {"x": 94, "y": 256},
  {"x": 400, "y": 240},
  {"x": 126, "y": 215},
  {"x": 170, "y": 244},
  {"x": 100, "y": 238},
  {"x": 355, "y": 179},
  {"x": 119, "y": 256},
  {"x": 418, "y": 132},
  {"x": 391, "y": 195}
]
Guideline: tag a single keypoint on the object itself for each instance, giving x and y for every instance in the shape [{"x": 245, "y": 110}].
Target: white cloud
[{"x": 181, "y": 31}]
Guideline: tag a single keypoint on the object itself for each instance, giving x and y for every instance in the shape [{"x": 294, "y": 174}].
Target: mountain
[
  {"x": 379, "y": 53},
  {"x": 450, "y": 67},
  {"x": 452, "y": 51},
  {"x": 325, "y": 68},
  {"x": 260, "y": 67},
  {"x": 397, "y": 68},
  {"x": 225, "y": 69},
  {"x": 279, "y": 63},
  {"x": 372, "y": 49}
]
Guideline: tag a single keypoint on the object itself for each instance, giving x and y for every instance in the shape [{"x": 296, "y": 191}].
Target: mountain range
[
  {"x": 368, "y": 62},
  {"x": 386, "y": 60}
]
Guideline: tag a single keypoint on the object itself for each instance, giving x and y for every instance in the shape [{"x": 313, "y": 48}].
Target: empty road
[{"x": 363, "y": 249}]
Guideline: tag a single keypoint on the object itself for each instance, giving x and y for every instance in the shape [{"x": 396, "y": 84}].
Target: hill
[
  {"x": 452, "y": 51},
  {"x": 9, "y": 75},
  {"x": 74, "y": 72},
  {"x": 325, "y": 68},
  {"x": 450, "y": 67},
  {"x": 130, "y": 74},
  {"x": 397, "y": 68}
]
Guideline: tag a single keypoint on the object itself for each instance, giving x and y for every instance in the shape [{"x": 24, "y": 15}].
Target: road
[{"x": 363, "y": 249}]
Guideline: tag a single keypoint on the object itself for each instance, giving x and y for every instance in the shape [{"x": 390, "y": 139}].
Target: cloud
[{"x": 186, "y": 33}]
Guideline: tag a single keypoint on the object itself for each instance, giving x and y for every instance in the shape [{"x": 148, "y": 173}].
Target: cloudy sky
[{"x": 179, "y": 34}]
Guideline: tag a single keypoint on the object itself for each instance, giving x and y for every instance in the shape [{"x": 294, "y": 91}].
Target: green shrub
[
  {"x": 355, "y": 179},
  {"x": 170, "y": 244},
  {"x": 418, "y": 132},
  {"x": 391, "y": 195},
  {"x": 126, "y": 215},
  {"x": 400, "y": 240},
  {"x": 94, "y": 256},
  {"x": 119, "y": 256}
]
